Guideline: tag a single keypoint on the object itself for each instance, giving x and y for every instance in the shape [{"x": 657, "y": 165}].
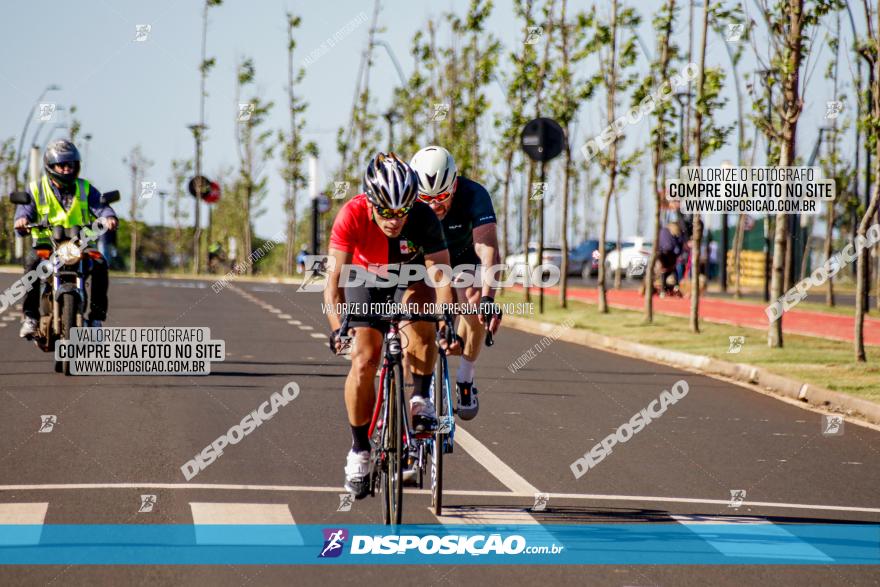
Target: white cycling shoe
[{"x": 357, "y": 473}]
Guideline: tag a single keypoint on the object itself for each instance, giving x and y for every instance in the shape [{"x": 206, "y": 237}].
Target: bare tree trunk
[
  {"x": 132, "y": 257},
  {"x": 864, "y": 252},
  {"x": 612, "y": 176},
  {"x": 698, "y": 145},
  {"x": 657, "y": 165},
  {"x": 563, "y": 289},
  {"x": 611, "y": 86},
  {"x": 737, "y": 253},
  {"x": 790, "y": 111},
  {"x": 617, "y": 270},
  {"x": 508, "y": 172}
]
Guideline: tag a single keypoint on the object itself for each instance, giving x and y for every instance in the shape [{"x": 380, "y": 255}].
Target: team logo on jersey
[{"x": 407, "y": 246}]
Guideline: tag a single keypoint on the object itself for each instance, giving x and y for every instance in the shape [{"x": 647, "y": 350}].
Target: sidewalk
[{"x": 732, "y": 312}]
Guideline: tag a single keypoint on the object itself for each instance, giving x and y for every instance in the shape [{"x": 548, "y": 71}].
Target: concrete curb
[{"x": 771, "y": 382}]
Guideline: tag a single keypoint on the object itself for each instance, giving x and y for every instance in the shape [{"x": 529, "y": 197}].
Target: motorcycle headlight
[{"x": 68, "y": 253}]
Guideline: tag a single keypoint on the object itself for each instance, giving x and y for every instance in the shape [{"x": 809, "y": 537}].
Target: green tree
[
  {"x": 255, "y": 146},
  {"x": 663, "y": 135},
  {"x": 614, "y": 43}
]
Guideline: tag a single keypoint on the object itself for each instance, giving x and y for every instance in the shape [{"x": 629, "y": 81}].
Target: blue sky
[{"x": 146, "y": 93}]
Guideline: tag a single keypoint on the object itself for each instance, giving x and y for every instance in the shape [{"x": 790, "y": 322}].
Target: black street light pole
[{"x": 198, "y": 130}]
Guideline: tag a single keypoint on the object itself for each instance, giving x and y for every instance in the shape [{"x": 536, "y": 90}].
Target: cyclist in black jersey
[{"x": 465, "y": 210}]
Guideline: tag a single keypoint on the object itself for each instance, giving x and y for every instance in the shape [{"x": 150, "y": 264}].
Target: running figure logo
[
  {"x": 440, "y": 112},
  {"x": 541, "y": 501},
  {"x": 147, "y": 503},
  {"x": 534, "y": 35},
  {"x": 317, "y": 267},
  {"x": 737, "y": 497},
  {"x": 833, "y": 108},
  {"x": 142, "y": 32},
  {"x": 47, "y": 112},
  {"x": 47, "y": 423},
  {"x": 346, "y": 500},
  {"x": 736, "y": 344},
  {"x": 538, "y": 190},
  {"x": 148, "y": 189},
  {"x": 832, "y": 425},
  {"x": 333, "y": 542},
  {"x": 340, "y": 189},
  {"x": 735, "y": 31}
]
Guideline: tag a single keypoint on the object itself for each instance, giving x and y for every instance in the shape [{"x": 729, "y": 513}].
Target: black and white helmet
[
  {"x": 436, "y": 169},
  {"x": 390, "y": 183}
]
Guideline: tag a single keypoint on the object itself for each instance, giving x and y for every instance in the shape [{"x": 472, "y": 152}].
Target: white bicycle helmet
[
  {"x": 390, "y": 183},
  {"x": 436, "y": 170}
]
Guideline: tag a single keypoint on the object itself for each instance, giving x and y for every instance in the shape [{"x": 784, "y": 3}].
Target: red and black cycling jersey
[{"x": 355, "y": 232}]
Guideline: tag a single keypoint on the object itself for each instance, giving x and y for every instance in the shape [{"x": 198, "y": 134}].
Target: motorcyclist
[{"x": 61, "y": 198}]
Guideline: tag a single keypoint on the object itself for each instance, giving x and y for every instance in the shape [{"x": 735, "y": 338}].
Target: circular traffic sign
[
  {"x": 542, "y": 139},
  {"x": 210, "y": 190},
  {"x": 213, "y": 195}
]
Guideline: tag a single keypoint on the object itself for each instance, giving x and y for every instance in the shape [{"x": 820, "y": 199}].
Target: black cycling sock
[
  {"x": 360, "y": 438},
  {"x": 422, "y": 385}
]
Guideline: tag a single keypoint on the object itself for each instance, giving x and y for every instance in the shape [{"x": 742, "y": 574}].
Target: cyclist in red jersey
[{"x": 386, "y": 225}]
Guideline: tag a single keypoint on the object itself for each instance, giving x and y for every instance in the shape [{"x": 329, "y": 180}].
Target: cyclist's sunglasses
[
  {"x": 438, "y": 199},
  {"x": 389, "y": 213}
]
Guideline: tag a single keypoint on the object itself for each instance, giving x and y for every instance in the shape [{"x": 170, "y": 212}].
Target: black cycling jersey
[{"x": 471, "y": 207}]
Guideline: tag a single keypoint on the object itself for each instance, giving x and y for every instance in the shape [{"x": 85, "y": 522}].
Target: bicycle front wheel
[
  {"x": 438, "y": 446},
  {"x": 393, "y": 444}
]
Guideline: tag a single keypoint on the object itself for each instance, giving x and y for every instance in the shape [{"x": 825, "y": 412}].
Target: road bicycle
[{"x": 390, "y": 433}]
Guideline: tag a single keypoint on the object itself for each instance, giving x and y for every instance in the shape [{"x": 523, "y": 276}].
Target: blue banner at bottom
[{"x": 559, "y": 544}]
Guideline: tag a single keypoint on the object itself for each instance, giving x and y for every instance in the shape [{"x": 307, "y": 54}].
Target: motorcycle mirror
[
  {"x": 21, "y": 198},
  {"x": 110, "y": 197}
]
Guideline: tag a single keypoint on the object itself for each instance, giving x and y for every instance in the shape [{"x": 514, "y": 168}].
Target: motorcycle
[{"x": 63, "y": 296}]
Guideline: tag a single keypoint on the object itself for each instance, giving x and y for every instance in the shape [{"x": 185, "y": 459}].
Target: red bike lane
[{"x": 795, "y": 321}]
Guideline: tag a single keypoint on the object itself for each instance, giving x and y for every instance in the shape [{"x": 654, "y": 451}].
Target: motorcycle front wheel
[{"x": 69, "y": 307}]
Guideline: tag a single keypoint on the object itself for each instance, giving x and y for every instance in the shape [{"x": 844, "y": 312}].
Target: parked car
[
  {"x": 552, "y": 256},
  {"x": 634, "y": 256},
  {"x": 583, "y": 260}
]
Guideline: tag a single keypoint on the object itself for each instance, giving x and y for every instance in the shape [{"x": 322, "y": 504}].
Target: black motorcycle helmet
[{"x": 62, "y": 151}]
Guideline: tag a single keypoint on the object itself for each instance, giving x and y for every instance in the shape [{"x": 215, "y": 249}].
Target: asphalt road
[{"x": 117, "y": 438}]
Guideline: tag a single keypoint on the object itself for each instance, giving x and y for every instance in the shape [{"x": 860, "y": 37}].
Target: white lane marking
[
  {"x": 32, "y": 515},
  {"x": 318, "y": 335},
  {"x": 294, "y": 322},
  {"x": 464, "y": 492},
  {"x": 240, "y": 513},
  {"x": 484, "y": 515},
  {"x": 207, "y": 514},
  {"x": 498, "y": 468},
  {"x": 721, "y": 534},
  {"x": 285, "y": 316},
  {"x": 306, "y": 328},
  {"x": 23, "y": 513},
  {"x": 274, "y": 310},
  {"x": 703, "y": 519}
]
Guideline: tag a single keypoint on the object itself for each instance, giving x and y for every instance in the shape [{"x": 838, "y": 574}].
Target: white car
[
  {"x": 634, "y": 256},
  {"x": 552, "y": 256}
]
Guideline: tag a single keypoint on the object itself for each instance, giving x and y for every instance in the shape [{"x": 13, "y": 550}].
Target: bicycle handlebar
[{"x": 396, "y": 317}]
